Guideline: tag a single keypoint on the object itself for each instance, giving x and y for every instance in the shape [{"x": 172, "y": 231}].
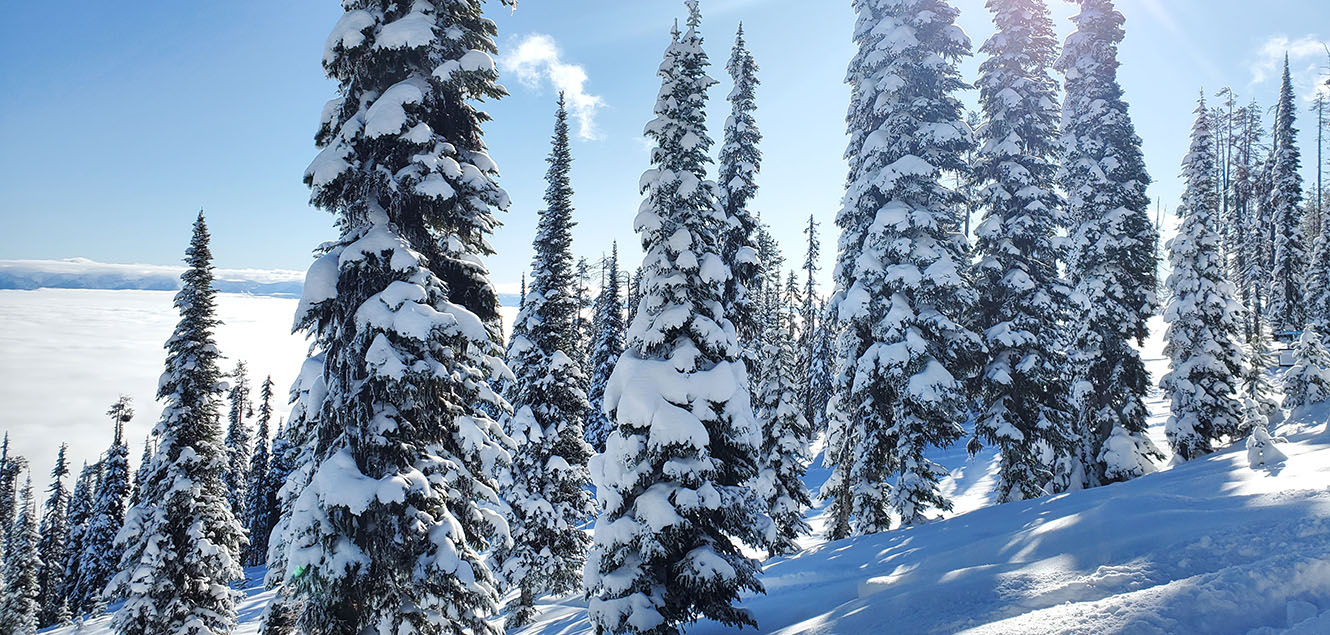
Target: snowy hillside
[{"x": 1211, "y": 546}]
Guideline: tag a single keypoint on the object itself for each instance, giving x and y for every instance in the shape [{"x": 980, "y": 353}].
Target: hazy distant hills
[{"x": 81, "y": 273}]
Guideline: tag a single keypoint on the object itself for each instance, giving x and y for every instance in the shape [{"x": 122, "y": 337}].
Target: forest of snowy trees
[{"x": 642, "y": 434}]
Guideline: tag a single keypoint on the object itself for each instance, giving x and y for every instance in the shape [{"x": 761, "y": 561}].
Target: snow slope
[{"x": 1211, "y": 546}]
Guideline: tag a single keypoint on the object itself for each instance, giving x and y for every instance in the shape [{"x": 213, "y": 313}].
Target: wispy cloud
[
  {"x": 536, "y": 59},
  {"x": 1306, "y": 58}
]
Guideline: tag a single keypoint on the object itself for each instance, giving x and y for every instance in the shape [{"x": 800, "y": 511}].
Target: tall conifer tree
[
  {"x": 53, "y": 546},
  {"x": 80, "y": 510},
  {"x": 238, "y": 442},
  {"x": 1022, "y": 298},
  {"x": 902, "y": 293},
  {"x": 260, "y": 499},
  {"x": 10, "y": 468},
  {"x": 1203, "y": 337},
  {"x": 740, "y": 162},
  {"x": 141, "y": 474},
  {"x": 673, "y": 481},
  {"x": 605, "y": 354},
  {"x": 1112, "y": 256},
  {"x": 181, "y": 543},
  {"x": 786, "y": 434},
  {"x": 1287, "y": 308},
  {"x": 20, "y": 602},
  {"x": 814, "y": 375},
  {"x": 401, "y": 308},
  {"x": 548, "y": 492}
]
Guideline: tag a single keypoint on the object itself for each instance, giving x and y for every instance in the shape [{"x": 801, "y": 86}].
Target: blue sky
[{"x": 119, "y": 120}]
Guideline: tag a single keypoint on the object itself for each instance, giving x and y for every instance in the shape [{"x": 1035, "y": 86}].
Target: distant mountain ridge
[{"x": 82, "y": 273}]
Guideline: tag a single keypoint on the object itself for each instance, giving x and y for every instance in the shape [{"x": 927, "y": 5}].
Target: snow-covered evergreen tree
[
  {"x": 1022, "y": 298},
  {"x": 1287, "y": 307},
  {"x": 11, "y": 467},
  {"x": 388, "y": 534},
  {"x": 21, "y": 600},
  {"x": 814, "y": 389},
  {"x": 634, "y": 296},
  {"x": 1261, "y": 450},
  {"x": 786, "y": 434},
  {"x": 80, "y": 511},
  {"x": 820, "y": 366},
  {"x": 1308, "y": 381},
  {"x": 53, "y": 546},
  {"x": 290, "y": 471},
  {"x": 101, "y": 552},
  {"x": 238, "y": 441},
  {"x": 1250, "y": 269},
  {"x": 260, "y": 498},
  {"x": 902, "y": 294},
  {"x": 1112, "y": 255},
  {"x": 740, "y": 162},
  {"x": 581, "y": 350},
  {"x": 605, "y": 354},
  {"x": 1257, "y": 390},
  {"x": 672, "y": 482},
  {"x": 1203, "y": 340},
  {"x": 181, "y": 545},
  {"x": 548, "y": 489},
  {"x": 141, "y": 474},
  {"x": 1318, "y": 280}
]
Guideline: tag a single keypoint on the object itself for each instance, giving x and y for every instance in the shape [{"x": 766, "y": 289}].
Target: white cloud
[
  {"x": 1307, "y": 62},
  {"x": 536, "y": 59}
]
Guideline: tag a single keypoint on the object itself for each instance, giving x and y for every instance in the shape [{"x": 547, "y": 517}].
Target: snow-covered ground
[{"x": 1207, "y": 547}]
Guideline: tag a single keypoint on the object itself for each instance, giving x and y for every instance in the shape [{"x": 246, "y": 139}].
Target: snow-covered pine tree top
[
  {"x": 392, "y": 149},
  {"x": 549, "y": 306},
  {"x": 1203, "y": 336},
  {"x": 1019, "y": 133}
]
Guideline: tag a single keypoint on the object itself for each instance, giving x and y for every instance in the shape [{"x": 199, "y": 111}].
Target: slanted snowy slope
[{"x": 1208, "y": 547}]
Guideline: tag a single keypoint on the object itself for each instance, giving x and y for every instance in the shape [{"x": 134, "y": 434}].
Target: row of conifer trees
[{"x": 425, "y": 468}]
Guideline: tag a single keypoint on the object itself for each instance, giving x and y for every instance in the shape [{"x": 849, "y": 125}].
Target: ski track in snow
[{"x": 1207, "y": 547}]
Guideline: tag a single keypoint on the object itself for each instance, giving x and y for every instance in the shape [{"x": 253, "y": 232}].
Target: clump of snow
[{"x": 1261, "y": 450}]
